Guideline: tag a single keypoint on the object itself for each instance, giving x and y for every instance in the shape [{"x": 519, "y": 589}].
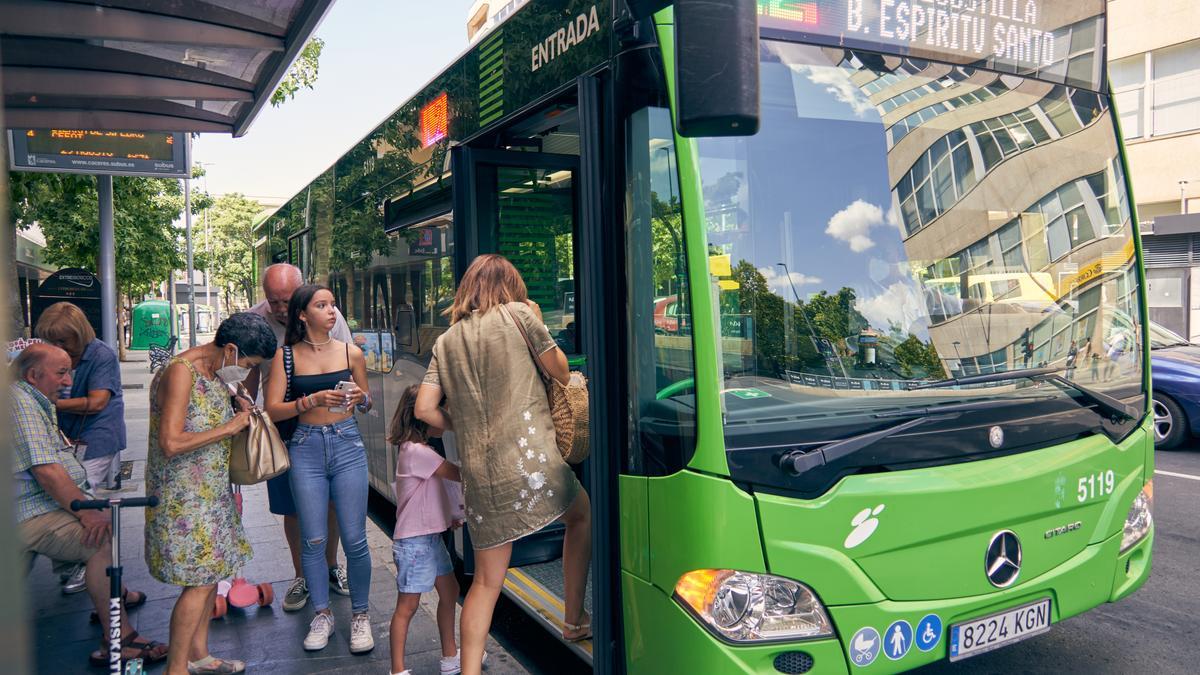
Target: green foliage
[
  {"x": 225, "y": 248},
  {"x": 834, "y": 316},
  {"x": 144, "y": 212},
  {"x": 303, "y": 72},
  {"x": 917, "y": 359},
  {"x": 782, "y": 337},
  {"x": 666, "y": 243}
]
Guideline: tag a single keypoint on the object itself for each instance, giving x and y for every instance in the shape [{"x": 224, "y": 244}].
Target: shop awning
[{"x": 148, "y": 65}]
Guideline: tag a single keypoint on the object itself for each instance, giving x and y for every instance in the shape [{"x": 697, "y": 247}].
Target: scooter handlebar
[{"x": 99, "y": 504}]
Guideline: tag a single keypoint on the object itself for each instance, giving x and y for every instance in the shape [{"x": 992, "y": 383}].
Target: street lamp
[{"x": 208, "y": 245}]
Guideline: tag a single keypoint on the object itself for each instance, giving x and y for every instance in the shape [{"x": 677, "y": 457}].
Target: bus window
[
  {"x": 536, "y": 231},
  {"x": 661, "y": 362}
]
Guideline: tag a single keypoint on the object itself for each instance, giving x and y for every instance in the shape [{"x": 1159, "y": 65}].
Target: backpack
[{"x": 288, "y": 427}]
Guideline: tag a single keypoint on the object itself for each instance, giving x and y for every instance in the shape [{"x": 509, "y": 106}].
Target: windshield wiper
[
  {"x": 799, "y": 461},
  {"x": 1105, "y": 404}
]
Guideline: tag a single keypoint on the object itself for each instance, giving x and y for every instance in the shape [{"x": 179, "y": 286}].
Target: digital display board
[
  {"x": 1021, "y": 35},
  {"x": 435, "y": 120},
  {"x": 126, "y": 153}
]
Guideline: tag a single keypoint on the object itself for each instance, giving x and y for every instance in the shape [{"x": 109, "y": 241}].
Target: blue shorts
[
  {"x": 279, "y": 496},
  {"x": 420, "y": 561}
]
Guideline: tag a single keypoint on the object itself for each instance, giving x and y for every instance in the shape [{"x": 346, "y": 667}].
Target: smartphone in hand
[{"x": 342, "y": 387}]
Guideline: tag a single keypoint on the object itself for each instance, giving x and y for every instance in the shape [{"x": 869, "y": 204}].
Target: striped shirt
[{"x": 37, "y": 441}]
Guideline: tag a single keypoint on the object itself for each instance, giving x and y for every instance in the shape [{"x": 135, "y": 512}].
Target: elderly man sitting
[{"x": 48, "y": 478}]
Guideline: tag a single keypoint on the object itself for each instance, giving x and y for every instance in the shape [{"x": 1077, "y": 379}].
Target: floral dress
[
  {"x": 194, "y": 536},
  {"x": 515, "y": 482}
]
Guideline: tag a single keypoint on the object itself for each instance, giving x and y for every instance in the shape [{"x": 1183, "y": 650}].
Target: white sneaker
[
  {"x": 361, "y": 639},
  {"x": 452, "y": 665},
  {"x": 319, "y": 631}
]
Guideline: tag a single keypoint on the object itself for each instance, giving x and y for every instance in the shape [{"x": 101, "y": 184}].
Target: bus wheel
[{"x": 1170, "y": 423}]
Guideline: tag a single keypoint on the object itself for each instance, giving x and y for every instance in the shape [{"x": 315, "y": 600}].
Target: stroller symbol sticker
[{"x": 864, "y": 646}]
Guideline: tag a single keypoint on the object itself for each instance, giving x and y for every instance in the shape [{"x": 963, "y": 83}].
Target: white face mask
[{"x": 232, "y": 375}]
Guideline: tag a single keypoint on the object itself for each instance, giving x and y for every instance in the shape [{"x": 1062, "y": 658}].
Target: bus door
[{"x": 524, "y": 206}]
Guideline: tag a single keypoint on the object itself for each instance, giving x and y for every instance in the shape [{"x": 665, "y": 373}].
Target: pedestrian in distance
[
  {"x": 1072, "y": 355},
  {"x": 324, "y": 380},
  {"x": 515, "y": 481},
  {"x": 279, "y": 282},
  {"x": 92, "y": 411},
  {"x": 47, "y": 479},
  {"x": 194, "y": 537},
  {"x": 428, "y": 503}
]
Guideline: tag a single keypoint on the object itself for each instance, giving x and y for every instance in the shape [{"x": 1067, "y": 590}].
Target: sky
[{"x": 377, "y": 54}]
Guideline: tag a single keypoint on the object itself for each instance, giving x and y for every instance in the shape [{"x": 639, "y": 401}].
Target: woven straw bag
[{"x": 568, "y": 406}]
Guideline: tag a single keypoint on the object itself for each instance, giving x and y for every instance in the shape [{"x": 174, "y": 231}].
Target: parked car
[{"x": 1175, "y": 373}]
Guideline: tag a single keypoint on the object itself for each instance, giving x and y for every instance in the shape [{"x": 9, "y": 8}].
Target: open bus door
[
  {"x": 542, "y": 211},
  {"x": 523, "y": 206}
]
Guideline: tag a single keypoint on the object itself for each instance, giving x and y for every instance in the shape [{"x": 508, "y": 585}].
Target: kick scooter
[{"x": 114, "y": 572}]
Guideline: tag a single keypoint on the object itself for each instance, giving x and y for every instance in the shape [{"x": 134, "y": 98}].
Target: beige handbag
[
  {"x": 568, "y": 406},
  {"x": 258, "y": 453}
]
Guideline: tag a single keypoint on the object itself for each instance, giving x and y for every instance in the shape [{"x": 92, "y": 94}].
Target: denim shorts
[{"x": 420, "y": 561}]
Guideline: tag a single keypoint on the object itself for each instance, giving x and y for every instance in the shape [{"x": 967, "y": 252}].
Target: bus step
[{"x": 538, "y": 589}]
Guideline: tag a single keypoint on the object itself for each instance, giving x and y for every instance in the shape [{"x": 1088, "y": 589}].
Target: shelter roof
[{"x": 148, "y": 65}]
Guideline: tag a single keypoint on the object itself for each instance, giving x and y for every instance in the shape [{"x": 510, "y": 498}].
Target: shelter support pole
[
  {"x": 107, "y": 263},
  {"x": 191, "y": 288}
]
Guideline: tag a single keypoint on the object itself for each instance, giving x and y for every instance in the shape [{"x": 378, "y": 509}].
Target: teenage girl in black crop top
[{"x": 328, "y": 458}]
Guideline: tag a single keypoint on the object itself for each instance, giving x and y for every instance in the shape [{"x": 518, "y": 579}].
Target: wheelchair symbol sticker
[{"x": 929, "y": 632}]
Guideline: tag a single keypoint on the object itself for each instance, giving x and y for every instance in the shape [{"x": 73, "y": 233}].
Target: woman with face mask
[
  {"x": 328, "y": 383},
  {"x": 194, "y": 537}
]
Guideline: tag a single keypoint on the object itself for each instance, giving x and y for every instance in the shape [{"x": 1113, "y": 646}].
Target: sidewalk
[{"x": 267, "y": 639}]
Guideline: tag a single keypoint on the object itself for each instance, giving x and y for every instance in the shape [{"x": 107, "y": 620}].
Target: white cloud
[
  {"x": 838, "y": 83},
  {"x": 899, "y": 303},
  {"x": 853, "y": 224},
  {"x": 778, "y": 282}
]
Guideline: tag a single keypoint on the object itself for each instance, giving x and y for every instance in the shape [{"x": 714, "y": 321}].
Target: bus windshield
[{"x": 897, "y": 221}]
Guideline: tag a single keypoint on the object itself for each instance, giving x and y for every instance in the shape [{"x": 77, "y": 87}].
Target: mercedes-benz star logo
[{"x": 1003, "y": 561}]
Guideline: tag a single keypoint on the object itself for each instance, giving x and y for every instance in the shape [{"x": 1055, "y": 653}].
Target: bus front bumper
[{"x": 662, "y": 637}]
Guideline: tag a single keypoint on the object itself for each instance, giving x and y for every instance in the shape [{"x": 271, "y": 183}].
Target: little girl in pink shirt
[{"x": 424, "y": 512}]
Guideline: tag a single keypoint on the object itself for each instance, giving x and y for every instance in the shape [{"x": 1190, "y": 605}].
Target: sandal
[
  {"x": 210, "y": 665},
  {"x": 132, "y": 647},
  {"x": 141, "y": 600},
  {"x": 584, "y": 630}
]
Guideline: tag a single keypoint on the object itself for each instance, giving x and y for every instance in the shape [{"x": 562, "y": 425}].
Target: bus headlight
[
  {"x": 748, "y": 607},
  {"x": 1140, "y": 517}
]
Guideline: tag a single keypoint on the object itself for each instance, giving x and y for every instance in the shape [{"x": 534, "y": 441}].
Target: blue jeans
[{"x": 329, "y": 463}]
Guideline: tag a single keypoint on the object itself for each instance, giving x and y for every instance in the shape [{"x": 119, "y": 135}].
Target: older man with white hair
[
  {"x": 279, "y": 282},
  {"x": 48, "y": 478}
]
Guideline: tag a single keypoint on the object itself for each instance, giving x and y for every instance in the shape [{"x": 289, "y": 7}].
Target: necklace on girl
[{"x": 317, "y": 345}]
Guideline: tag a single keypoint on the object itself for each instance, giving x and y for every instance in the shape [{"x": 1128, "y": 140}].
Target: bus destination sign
[
  {"x": 125, "y": 153},
  {"x": 1021, "y": 33}
]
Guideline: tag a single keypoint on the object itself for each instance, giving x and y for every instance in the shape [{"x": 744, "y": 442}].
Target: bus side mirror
[{"x": 716, "y": 67}]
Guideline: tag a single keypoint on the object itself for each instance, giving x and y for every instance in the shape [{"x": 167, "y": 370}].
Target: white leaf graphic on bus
[{"x": 865, "y": 524}]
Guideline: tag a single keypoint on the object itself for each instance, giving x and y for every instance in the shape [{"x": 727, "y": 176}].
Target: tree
[
  {"x": 224, "y": 246},
  {"x": 917, "y": 358},
  {"x": 144, "y": 215},
  {"x": 666, "y": 243},
  {"x": 303, "y": 72}
]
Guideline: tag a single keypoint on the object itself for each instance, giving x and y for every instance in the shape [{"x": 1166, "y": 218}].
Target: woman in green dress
[
  {"x": 194, "y": 537},
  {"x": 515, "y": 481}
]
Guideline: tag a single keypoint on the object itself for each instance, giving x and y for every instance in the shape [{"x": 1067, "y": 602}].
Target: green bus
[{"x": 866, "y": 346}]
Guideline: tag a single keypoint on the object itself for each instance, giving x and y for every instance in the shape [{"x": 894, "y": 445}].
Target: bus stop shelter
[{"x": 204, "y": 66}]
